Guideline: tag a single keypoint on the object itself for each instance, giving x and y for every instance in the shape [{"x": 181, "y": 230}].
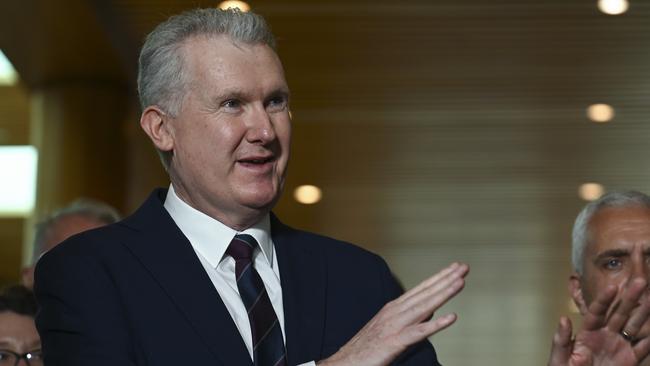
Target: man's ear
[
  {"x": 156, "y": 124},
  {"x": 27, "y": 277},
  {"x": 575, "y": 289}
]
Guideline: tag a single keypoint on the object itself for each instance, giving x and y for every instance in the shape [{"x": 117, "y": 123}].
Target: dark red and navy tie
[{"x": 268, "y": 344}]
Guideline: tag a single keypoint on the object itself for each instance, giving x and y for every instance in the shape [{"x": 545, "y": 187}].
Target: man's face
[
  {"x": 67, "y": 226},
  {"x": 231, "y": 138},
  {"x": 617, "y": 251},
  {"x": 18, "y": 334},
  {"x": 63, "y": 228}
]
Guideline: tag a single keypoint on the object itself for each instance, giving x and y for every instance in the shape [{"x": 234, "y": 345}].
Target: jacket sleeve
[{"x": 80, "y": 319}]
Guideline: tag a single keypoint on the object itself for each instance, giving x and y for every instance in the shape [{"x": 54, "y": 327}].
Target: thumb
[{"x": 562, "y": 346}]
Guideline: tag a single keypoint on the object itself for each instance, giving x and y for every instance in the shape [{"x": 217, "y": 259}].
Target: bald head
[
  {"x": 67, "y": 226},
  {"x": 79, "y": 216}
]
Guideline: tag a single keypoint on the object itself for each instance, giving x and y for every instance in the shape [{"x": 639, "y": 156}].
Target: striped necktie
[{"x": 268, "y": 344}]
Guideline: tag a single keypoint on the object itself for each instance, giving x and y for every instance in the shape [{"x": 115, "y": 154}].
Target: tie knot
[{"x": 242, "y": 247}]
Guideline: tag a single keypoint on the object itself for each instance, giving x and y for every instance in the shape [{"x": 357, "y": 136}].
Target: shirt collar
[{"x": 210, "y": 237}]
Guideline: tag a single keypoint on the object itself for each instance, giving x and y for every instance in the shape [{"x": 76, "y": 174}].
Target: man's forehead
[
  {"x": 222, "y": 55},
  {"x": 219, "y": 69},
  {"x": 68, "y": 225},
  {"x": 78, "y": 220},
  {"x": 19, "y": 337},
  {"x": 613, "y": 227},
  {"x": 611, "y": 217}
]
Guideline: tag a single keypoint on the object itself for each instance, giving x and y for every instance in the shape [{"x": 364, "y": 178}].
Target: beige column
[{"x": 78, "y": 131}]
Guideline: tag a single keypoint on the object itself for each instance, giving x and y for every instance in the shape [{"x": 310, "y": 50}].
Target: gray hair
[
  {"x": 581, "y": 225},
  {"x": 85, "y": 207},
  {"x": 162, "y": 80}
]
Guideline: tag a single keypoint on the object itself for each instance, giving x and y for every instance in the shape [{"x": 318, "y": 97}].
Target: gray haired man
[
  {"x": 611, "y": 262},
  {"x": 80, "y": 215},
  {"x": 203, "y": 273}
]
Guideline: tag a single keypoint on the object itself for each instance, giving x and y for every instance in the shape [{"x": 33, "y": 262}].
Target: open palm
[{"x": 599, "y": 342}]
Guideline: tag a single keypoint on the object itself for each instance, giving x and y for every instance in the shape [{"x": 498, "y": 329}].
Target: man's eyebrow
[
  {"x": 613, "y": 253},
  {"x": 279, "y": 92},
  {"x": 242, "y": 94},
  {"x": 230, "y": 94}
]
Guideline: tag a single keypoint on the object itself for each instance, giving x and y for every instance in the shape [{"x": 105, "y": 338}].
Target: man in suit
[
  {"x": 611, "y": 259},
  {"x": 203, "y": 273}
]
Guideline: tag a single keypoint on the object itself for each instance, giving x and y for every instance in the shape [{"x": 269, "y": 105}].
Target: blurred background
[{"x": 433, "y": 131}]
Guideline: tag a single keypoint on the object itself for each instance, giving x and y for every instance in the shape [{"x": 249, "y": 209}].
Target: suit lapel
[
  {"x": 167, "y": 254},
  {"x": 303, "y": 276}
]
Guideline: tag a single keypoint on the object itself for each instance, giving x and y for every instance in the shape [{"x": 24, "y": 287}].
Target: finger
[
  {"x": 420, "y": 331},
  {"x": 629, "y": 300},
  {"x": 638, "y": 318},
  {"x": 642, "y": 348},
  {"x": 562, "y": 345},
  {"x": 596, "y": 316},
  {"x": 422, "y": 306},
  {"x": 454, "y": 269},
  {"x": 443, "y": 272},
  {"x": 434, "y": 284}
]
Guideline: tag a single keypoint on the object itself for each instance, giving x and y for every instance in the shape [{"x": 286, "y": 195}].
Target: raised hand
[
  {"x": 402, "y": 322},
  {"x": 607, "y": 337}
]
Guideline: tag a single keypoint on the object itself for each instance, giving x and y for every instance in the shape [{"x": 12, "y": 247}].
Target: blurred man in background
[{"x": 81, "y": 215}]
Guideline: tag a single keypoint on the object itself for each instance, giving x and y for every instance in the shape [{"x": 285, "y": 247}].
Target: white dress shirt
[{"x": 210, "y": 239}]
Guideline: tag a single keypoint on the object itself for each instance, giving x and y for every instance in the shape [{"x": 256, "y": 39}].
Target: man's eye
[
  {"x": 277, "y": 103},
  {"x": 231, "y": 104},
  {"x": 612, "y": 264}
]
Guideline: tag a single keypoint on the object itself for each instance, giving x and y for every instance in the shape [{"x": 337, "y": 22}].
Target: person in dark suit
[{"x": 203, "y": 273}]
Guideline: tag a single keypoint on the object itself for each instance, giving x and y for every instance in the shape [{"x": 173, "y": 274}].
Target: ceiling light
[
  {"x": 241, "y": 5},
  {"x": 613, "y": 7},
  {"x": 600, "y": 113},
  {"x": 8, "y": 75},
  {"x": 307, "y": 194},
  {"x": 591, "y": 191},
  {"x": 17, "y": 180}
]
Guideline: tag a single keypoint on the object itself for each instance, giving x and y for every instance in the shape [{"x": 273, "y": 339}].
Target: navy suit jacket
[{"x": 135, "y": 293}]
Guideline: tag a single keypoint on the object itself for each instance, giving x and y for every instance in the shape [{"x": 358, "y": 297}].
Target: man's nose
[
  {"x": 260, "y": 127},
  {"x": 640, "y": 270}
]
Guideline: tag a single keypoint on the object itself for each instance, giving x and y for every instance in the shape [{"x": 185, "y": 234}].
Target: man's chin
[
  {"x": 261, "y": 203},
  {"x": 259, "y": 197}
]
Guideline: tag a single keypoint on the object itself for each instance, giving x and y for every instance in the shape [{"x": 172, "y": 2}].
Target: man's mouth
[{"x": 256, "y": 160}]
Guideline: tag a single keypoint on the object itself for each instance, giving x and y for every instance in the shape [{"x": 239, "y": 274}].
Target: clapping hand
[
  {"x": 608, "y": 334},
  {"x": 403, "y": 322}
]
